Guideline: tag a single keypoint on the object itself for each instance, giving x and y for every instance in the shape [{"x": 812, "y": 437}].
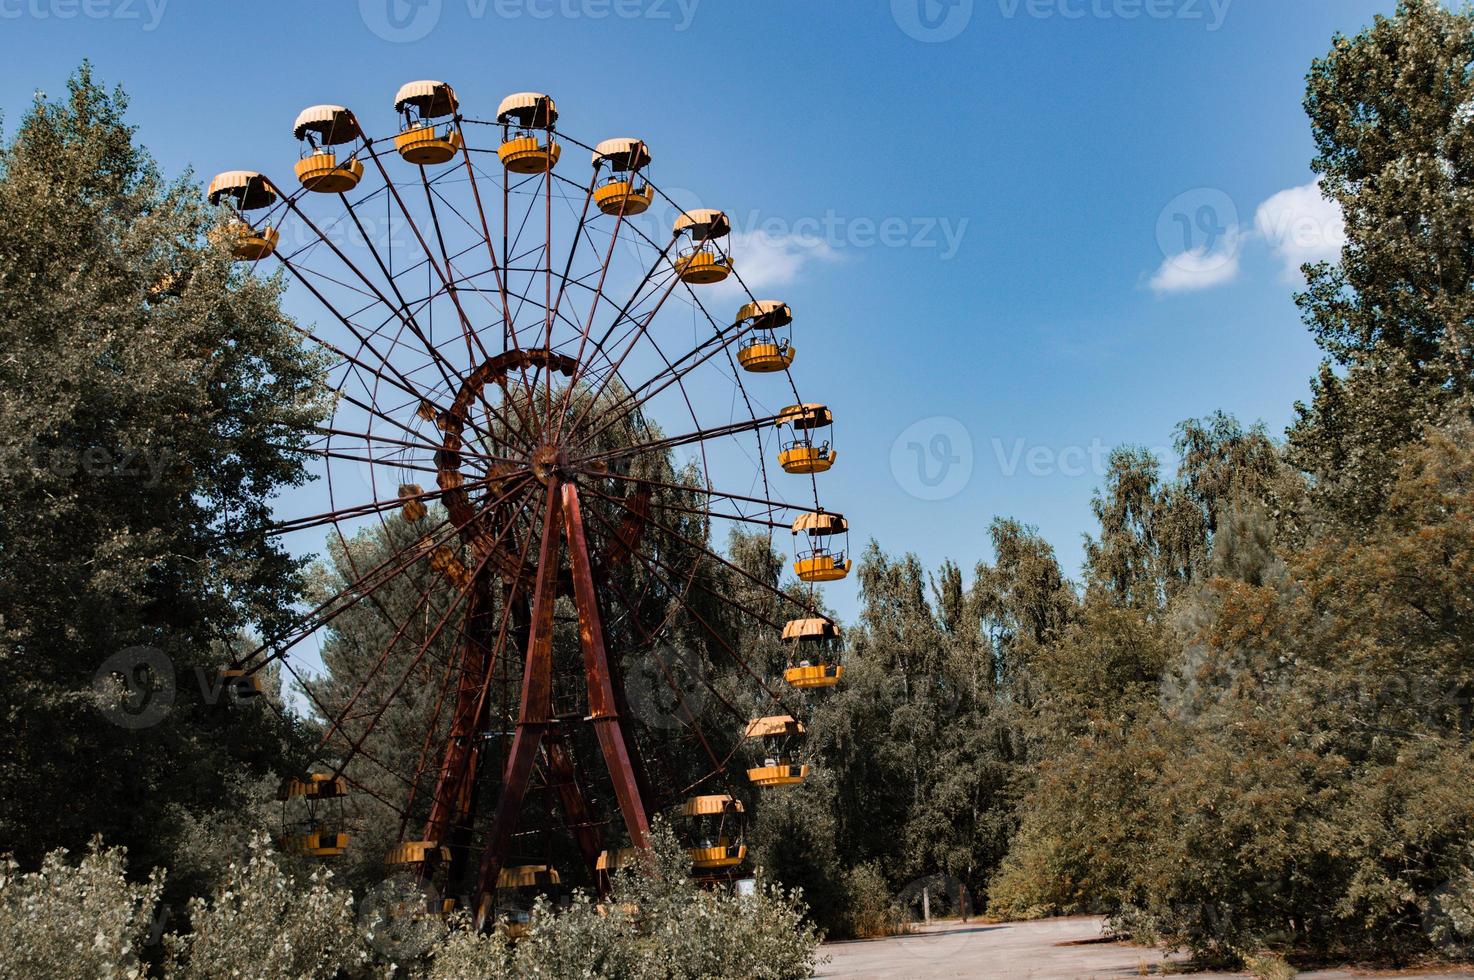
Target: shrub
[
  {"x": 263, "y": 923},
  {"x": 870, "y": 909},
  {"x": 83, "y": 920}
]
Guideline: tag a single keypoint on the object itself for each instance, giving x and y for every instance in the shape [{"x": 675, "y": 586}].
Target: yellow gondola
[
  {"x": 318, "y": 786},
  {"x": 804, "y": 446},
  {"x": 319, "y": 128},
  {"x": 517, "y": 890},
  {"x": 624, "y": 190},
  {"x": 245, "y": 190},
  {"x": 422, "y": 140},
  {"x": 768, "y": 347},
  {"x": 711, "y": 828},
  {"x": 318, "y": 831},
  {"x": 623, "y": 857},
  {"x": 316, "y": 843},
  {"x": 817, "y": 559},
  {"x": 527, "y": 120},
  {"x": 703, "y": 259},
  {"x": 814, "y": 649},
  {"x": 416, "y": 852},
  {"x": 241, "y": 682},
  {"x": 779, "y": 737}
]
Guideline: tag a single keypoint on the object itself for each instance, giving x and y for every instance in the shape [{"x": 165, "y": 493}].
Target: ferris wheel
[{"x": 546, "y": 408}]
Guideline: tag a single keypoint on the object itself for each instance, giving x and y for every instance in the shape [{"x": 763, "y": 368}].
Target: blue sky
[{"x": 1014, "y": 232}]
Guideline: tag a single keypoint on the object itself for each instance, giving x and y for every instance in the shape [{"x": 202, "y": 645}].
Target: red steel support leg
[
  {"x": 578, "y": 816},
  {"x": 460, "y": 839},
  {"x": 460, "y": 752},
  {"x": 603, "y": 706},
  {"x": 535, "y": 714}
]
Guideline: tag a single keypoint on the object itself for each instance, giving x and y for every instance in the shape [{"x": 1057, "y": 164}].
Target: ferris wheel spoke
[
  {"x": 310, "y": 521},
  {"x": 555, "y": 302},
  {"x": 451, "y": 288},
  {"x": 305, "y": 687},
  {"x": 676, "y": 370},
  {"x": 472, "y": 583},
  {"x": 444, "y": 275},
  {"x": 648, "y": 636},
  {"x": 686, "y": 439},
  {"x": 425, "y": 590},
  {"x": 736, "y": 376},
  {"x": 364, "y": 585},
  {"x": 583, "y": 338},
  {"x": 720, "y": 515},
  {"x": 637, "y": 332},
  {"x": 400, "y": 311},
  {"x": 653, "y": 566},
  {"x": 370, "y": 437},
  {"x": 772, "y": 506},
  {"x": 501, "y": 284},
  {"x": 399, "y": 380},
  {"x": 420, "y": 441},
  {"x": 726, "y": 599},
  {"x": 329, "y": 609},
  {"x": 708, "y": 553}
]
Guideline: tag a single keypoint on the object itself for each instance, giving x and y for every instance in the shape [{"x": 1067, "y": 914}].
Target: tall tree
[
  {"x": 1392, "y": 113},
  {"x": 153, "y": 398}
]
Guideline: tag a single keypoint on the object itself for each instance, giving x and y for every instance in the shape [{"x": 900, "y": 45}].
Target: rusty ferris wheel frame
[{"x": 506, "y": 410}]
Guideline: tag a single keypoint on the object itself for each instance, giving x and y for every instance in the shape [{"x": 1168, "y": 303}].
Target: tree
[
  {"x": 1390, "y": 110},
  {"x": 1298, "y": 784},
  {"x": 153, "y": 399}
]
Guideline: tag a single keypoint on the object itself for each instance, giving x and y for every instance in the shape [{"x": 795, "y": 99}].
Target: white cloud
[
  {"x": 765, "y": 260},
  {"x": 1301, "y": 226},
  {"x": 1198, "y": 268}
]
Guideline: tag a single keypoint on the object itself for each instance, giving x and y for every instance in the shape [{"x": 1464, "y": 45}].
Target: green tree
[
  {"x": 1390, "y": 111},
  {"x": 153, "y": 399}
]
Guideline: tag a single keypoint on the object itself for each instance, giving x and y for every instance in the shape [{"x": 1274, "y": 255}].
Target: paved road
[{"x": 1050, "y": 949}]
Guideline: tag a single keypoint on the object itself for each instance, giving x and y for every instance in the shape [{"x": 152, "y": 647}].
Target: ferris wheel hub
[{"x": 548, "y": 462}]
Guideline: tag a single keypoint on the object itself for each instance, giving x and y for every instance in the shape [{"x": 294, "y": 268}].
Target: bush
[
  {"x": 266, "y": 924},
  {"x": 655, "y": 924},
  {"x": 262, "y": 923},
  {"x": 870, "y": 909},
  {"x": 85, "y": 920}
]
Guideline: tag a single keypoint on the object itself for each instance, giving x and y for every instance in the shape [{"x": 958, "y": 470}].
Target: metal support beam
[
  {"x": 535, "y": 713},
  {"x": 603, "y": 703}
]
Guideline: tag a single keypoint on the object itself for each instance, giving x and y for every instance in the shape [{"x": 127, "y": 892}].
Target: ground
[{"x": 1050, "y": 949}]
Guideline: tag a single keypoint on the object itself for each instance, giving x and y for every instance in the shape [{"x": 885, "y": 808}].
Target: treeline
[{"x": 1248, "y": 728}]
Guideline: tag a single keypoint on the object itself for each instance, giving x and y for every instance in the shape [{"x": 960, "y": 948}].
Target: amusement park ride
[{"x": 479, "y": 344}]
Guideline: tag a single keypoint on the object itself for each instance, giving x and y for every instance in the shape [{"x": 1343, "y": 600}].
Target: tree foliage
[{"x": 153, "y": 398}]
